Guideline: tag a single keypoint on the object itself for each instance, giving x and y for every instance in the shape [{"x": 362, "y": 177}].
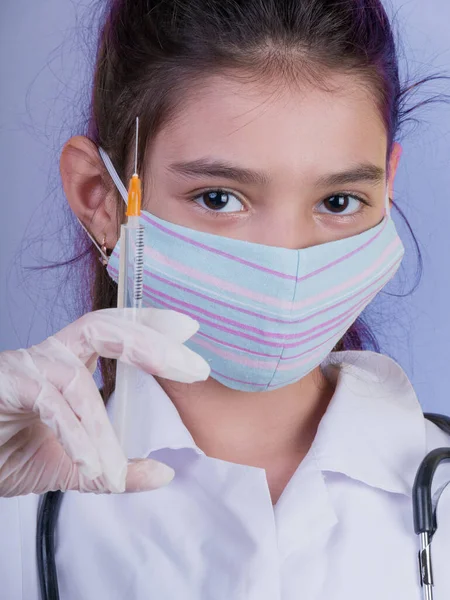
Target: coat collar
[{"x": 373, "y": 430}]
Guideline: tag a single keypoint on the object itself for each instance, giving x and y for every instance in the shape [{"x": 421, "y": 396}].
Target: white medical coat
[{"x": 341, "y": 530}]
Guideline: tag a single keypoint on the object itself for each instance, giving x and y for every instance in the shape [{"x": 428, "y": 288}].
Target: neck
[{"x": 252, "y": 428}]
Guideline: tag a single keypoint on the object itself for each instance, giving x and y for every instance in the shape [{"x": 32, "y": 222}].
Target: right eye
[{"x": 218, "y": 201}]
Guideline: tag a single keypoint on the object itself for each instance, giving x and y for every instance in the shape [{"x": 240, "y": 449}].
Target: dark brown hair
[{"x": 152, "y": 52}]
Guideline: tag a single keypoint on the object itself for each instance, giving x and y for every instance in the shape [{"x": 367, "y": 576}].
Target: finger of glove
[
  {"x": 131, "y": 342},
  {"x": 176, "y": 325},
  {"x": 157, "y": 354},
  {"x": 51, "y": 471},
  {"x": 80, "y": 393},
  {"x": 53, "y": 410},
  {"x": 143, "y": 475},
  {"x": 33, "y": 461},
  {"x": 142, "y": 347},
  {"x": 51, "y": 468},
  {"x": 147, "y": 474},
  {"x": 95, "y": 325}
]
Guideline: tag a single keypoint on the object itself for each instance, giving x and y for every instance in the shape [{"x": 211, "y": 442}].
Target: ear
[
  {"x": 87, "y": 189},
  {"x": 397, "y": 151}
]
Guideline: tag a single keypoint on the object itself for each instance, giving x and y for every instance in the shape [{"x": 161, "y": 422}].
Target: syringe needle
[{"x": 136, "y": 149}]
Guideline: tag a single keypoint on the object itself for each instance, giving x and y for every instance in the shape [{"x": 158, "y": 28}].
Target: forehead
[{"x": 305, "y": 129}]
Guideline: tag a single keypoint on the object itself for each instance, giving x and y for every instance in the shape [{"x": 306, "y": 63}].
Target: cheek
[
  {"x": 328, "y": 231},
  {"x": 160, "y": 199},
  {"x": 165, "y": 207},
  {"x": 304, "y": 228}
]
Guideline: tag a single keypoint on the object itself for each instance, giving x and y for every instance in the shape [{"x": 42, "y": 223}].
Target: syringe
[{"x": 129, "y": 296}]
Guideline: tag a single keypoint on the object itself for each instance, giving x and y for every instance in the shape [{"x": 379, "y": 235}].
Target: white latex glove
[{"x": 55, "y": 433}]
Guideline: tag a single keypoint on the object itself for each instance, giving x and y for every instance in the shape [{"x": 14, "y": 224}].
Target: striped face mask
[{"x": 268, "y": 315}]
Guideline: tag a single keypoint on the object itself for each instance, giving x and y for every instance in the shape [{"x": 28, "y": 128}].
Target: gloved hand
[{"x": 55, "y": 433}]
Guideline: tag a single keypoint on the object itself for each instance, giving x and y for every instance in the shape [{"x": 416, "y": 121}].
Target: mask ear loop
[
  {"x": 114, "y": 175},
  {"x": 105, "y": 257},
  {"x": 122, "y": 190}
]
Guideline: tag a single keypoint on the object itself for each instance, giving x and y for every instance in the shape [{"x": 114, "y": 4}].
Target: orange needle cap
[{"x": 134, "y": 197}]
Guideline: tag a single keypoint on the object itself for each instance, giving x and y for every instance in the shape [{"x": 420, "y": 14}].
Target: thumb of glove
[{"x": 145, "y": 474}]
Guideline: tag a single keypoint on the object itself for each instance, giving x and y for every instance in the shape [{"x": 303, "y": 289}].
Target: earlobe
[{"x": 87, "y": 193}]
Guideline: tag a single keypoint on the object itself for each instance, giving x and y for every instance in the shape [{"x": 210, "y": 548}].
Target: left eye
[
  {"x": 219, "y": 201},
  {"x": 338, "y": 204}
]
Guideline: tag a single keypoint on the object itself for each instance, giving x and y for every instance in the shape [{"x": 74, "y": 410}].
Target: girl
[{"x": 268, "y": 156}]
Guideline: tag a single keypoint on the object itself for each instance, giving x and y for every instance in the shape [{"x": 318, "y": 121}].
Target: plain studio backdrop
[{"x": 44, "y": 89}]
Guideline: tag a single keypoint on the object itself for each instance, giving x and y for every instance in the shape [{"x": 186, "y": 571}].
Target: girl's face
[{"x": 289, "y": 168}]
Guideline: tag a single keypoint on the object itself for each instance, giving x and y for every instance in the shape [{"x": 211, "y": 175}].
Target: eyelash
[{"x": 219, "y": 213}]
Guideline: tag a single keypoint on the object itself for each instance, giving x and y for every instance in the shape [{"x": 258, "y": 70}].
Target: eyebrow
[
  {"x": 203, "y": 167},
  {"x": 364, "y": 172}
]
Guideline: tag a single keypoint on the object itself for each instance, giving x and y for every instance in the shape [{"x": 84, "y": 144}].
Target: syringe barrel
[
  {"x": 133, "y": 246},
  {"x": 129, "y": 296}
]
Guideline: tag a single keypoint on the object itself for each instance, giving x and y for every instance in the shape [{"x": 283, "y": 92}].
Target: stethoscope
[{"x": 425, "y": 523}]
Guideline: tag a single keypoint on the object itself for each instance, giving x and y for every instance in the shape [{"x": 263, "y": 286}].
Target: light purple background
[{"x": 43, "y": 72}]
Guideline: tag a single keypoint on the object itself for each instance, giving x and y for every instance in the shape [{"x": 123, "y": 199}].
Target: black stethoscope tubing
[
  {"x": 48, "y": 511},
  {"x": 424, "y": 513},
  {"x": 425, "y": 523}
]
